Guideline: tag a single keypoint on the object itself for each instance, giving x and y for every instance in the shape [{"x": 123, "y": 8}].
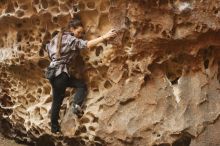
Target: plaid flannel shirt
[{"x": 70, "y": 44}]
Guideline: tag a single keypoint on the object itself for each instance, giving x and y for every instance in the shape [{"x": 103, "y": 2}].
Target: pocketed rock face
[{"x": 156, "y": 84}]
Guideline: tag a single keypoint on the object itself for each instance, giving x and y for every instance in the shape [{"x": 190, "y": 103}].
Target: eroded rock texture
[{"x": 156, "y": 84}]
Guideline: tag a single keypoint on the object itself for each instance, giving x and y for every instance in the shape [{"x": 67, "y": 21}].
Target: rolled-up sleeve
[{"x": 76, "y": 43}]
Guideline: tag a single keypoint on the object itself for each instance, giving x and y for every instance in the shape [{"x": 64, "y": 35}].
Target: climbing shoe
[
  {"x": 55, "y": 129},
  {"x": 77, "y": 110}
]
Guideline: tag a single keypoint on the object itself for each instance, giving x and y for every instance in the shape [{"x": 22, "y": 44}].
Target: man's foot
[
  {"x": 77, "y": 110},
  {"x": 55, "y": 129}
]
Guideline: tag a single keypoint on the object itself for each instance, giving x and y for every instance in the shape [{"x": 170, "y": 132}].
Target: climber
[{"x": 61, "y": 49}]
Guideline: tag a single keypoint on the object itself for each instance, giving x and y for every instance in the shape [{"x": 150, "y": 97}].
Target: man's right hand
[
  {"x": 108, "y": 35},
  {"x": 112, "y": 33}
]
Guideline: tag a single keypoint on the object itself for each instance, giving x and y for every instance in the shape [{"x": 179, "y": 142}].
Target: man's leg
[
  {"x": 58, "y": 87},
  {"x": 81, "y": 90}
]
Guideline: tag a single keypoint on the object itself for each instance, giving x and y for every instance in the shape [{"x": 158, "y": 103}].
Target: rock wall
[{"x": 156, "y": 84}]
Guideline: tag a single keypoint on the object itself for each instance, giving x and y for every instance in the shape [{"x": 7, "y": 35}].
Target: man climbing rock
[{"x": 61, "y": 49}]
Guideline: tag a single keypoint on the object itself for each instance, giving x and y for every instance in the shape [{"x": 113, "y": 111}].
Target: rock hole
[
  {"x": 183, "y": 141},
  {"x": 94, "y": 86},
  {"x": 42, "y": 63},
  {"x": 84, "y": 120},
  {"x": 91, "y": 5},
  {"x": 126, "y": 101},
  {"x": 175, "y": 81},
  {"x": 75, "y": 9},
  {"x": 54, "y": 33},
  {"x": 19, "y": 37},
  {"x": 95, "y": 90},
  {"x": 127, "y": 21},
  {"x": 36, "y": 2},
  {"x": 173, "y": 78},
  {"x": 206, "y": 54},
  {"x": 20, "y": 13},
  {"x": 15, "y": 4},
  {"x": 107, "y": 84},
  {"x": 95, "y": 120},
  {"x": 102, "y": 97},
  {"x": 18, "y": 25},
  {"x": 10, "y": 8},
  {"x": 98, "y": 139},
  {"x": 86, "y": 138},
  {"x": 146, "y": 78},
  {"x": 91, "y": 128},
  {"x": 101, "y": 107},
  {"x": 55, "y": 19},
  {"x": 98, "y": 50},
  {"x": 83, "y": 129},
  {"x": 166, "y": 34},
  {"x": 39, "y": 90},
  {"x": 95, "y": 63},
  {"x": 6, "y": 101},
  {"x": 216, "y": 12},
  {"x": 29, "y": 123},
  {"x": 44, "y": 4},
  {"x": 206, "y": 63},
  {"x": 47, "y": 89},
  {"x": 179, "y": 19}
]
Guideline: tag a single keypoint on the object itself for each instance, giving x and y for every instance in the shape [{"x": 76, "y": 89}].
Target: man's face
[{"x": 78, "y": 31}]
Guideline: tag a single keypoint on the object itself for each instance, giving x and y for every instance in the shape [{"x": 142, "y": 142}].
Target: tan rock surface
[{"x": 156, "y": 84}]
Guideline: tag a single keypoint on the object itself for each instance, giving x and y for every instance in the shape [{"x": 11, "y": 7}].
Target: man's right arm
[{"x": 106, "y": 36}]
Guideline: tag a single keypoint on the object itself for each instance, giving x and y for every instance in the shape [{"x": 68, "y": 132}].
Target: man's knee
[
  {"x": 83, "y": 89},
  {"x": 83, "y": 85}
]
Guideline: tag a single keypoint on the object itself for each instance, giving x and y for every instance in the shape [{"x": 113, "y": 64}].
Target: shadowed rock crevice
[{"x": 183, "y": 141}]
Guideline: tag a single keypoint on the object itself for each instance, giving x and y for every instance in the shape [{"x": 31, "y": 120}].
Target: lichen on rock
[{"x": 157, "y": 83}]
